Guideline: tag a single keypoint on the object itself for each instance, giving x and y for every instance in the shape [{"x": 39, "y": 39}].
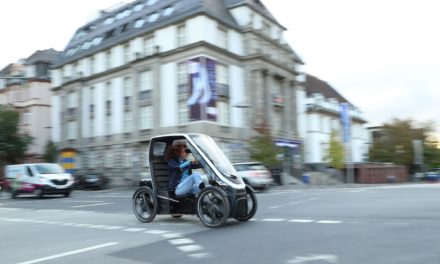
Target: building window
[
  {"x": 222, "y": 74},
  {"x": 183, "y": 112},
  {"x": 222, "y": 38},
  {"x": 128, "y": 92},
  {"x": 146, "y": 116},
  {"x": 139, "y": 23},
  {"x": 168, "y": 10},
  {"x": 127, "y": 157},
  {"x": 148, "y": 45},
  {"x": 72, "y": 101},
  {"x": 108, "y": 98},
  {"x": 71, "y": 130},
  {"x": 108, "y": 59},
  {"x": 266, "y": 28},
  {"x": 92, "y": 127},
  {"x": 126, "y": 53},
  {"x": 146, "y": 85},
  {"x": 26, "y": 118},
  {"x": 92, "y": 65},
  {"x": 224, "y": 112},
  {"x": 153, "y": 17},
  {"x": 151, "y": 2},
  {"x": 128, "y": 122},
  {"x": 181, "y": 35},
  {"x": 108, "y": 161}
]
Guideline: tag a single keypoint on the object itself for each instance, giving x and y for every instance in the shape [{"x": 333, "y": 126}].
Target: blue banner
[{"x": 346, "y": 122}]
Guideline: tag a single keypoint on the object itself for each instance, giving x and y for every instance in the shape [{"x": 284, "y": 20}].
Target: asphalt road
[{"x": 383, "y": 224}]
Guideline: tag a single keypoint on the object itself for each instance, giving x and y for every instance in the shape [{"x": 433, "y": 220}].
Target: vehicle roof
[
  {"x": 40, "y": 163},
  {"x": 176, "y": 135}
]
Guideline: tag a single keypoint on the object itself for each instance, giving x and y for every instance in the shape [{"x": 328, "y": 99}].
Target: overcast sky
[{"x": 382, "y": 55}]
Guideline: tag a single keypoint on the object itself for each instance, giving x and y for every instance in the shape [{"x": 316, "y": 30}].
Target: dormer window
[
  {"x": 151, "y": 2},
  {"x": 153, "y": 17},
  {"x": 138, "y": 7},
  {"x": 109, "y": 20},
  {"x": 139, "y": 23},
  {"x": 168, "y": 11}
]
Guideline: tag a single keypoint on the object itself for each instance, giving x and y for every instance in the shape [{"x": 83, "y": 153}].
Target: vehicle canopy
[{"x": 205, "y": 150}]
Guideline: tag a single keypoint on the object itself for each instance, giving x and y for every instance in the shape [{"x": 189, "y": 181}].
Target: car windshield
[
  {"x": 49, "y": 168},
  {"x": 214, "y": 153}
]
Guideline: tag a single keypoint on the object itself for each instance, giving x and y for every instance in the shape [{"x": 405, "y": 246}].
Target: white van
[{"x": 39, "y": 179}]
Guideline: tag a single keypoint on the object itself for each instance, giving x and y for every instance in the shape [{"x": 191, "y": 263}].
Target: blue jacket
[{"x": 176, "y": 169}]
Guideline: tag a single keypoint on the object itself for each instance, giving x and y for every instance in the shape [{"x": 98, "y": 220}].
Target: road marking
[
  {"x": 328, "y": 222},
  {"x": 313, "y": 258},
  {"x": 190, "y": 248},
  {"x": 273, "y": 220},
  {"x": 134, "y": 229},
  {"x": 199, "y": 255},
  {"x": 79, "y": 201},
  {"x": 181, "y": 241},
  {"x": 356, "y": 191},
  {"x": 113, "y": 227},
  {"x": 87, "y": 205},
  {"x": 302, "y": 221},
  {"x": 171, "y": 235},
  {"x": 156, "y": 232},
  {"x": 69, "y": 253}
]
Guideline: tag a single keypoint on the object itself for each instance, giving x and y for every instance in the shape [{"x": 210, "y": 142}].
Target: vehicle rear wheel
[
  {"x": 144, "y": 204},
  {"x": 251, "y": 206},
  {"x": 67, "y": 194},
  {"x": 213, "y": 207}
]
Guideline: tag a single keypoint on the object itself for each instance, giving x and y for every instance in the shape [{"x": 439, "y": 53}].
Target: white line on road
[
  {"x": 87, "y": 205},
  {"x": 328, "y": 222},
  {"x": 134, "y": 229},
  {"x": 302, "y": 221},
  {"x": 156, "y": 232},
  {"x": 181, "y": 241},
  {"x": 199, "y": 255},
  {"x": 273, "y": 220},
  {"x": 69, "y": 253},
  {"x": 313, "y": 258},
  {"x": 171, "y": 235},
  {"x": 79, "y": 201},
  {"x": 190, "y": 248},
  {"x": 356, "y": 191}
]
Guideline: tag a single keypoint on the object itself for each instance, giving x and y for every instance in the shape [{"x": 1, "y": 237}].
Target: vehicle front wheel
[
  {"x": 251, "y": 206},
  {"x": 213, "y": 207},
  {"x": 144, "y": 204}
]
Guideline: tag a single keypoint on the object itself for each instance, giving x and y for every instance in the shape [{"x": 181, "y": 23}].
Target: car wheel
[
  {"x": 39, "y": 193},
  {"x": 144, "y": 204},
  {"x": 67, "y": 194},
  {"x": 13, "y": 194},
  {"x": 213, "y": 207},
  {"x": 252, "y": 204}
]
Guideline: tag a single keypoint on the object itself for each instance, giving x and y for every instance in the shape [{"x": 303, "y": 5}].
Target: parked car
[
  {"x": 432, "y": 176},
  {"x": 255, "y": 174},
  {"x": 93, "y": 181}
]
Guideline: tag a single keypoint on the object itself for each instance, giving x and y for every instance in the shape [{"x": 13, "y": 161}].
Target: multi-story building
[
  {"x": 26, "y": 87},
  {"x": 153, "y": 67},
  {"x": 319, "y": 113}
]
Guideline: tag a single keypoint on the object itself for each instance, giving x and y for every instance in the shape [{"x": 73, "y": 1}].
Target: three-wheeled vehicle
[{"x": 225, "y": 195}]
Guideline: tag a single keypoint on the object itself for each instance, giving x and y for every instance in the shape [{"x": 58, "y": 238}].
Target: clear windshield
[
  {"x": 214, "y": 153},
  {"x": 49, "y": 168}
]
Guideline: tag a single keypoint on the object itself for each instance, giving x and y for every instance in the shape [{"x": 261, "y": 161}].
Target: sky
[{"x": 381, "y": 55}]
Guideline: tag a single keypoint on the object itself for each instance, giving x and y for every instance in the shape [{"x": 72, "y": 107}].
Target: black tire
[
  {"x": 67, "y": 194},
  {"x": 213, "y": 207},
  {"x": 13, "y": 194},
  {"x": 144, "y": 204},
  {"x": 252, "y": 204},
  {"x": 39, "y": 193}
]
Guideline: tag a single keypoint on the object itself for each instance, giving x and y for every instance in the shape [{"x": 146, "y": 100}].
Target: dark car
[{"x": 91, "y": 181}]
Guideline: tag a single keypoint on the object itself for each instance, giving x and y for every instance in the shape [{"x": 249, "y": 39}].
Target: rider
[{"x": 180, "y": 172}]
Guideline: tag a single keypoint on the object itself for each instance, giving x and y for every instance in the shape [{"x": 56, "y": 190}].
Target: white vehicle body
[
  {"x": 38, "y": 178},
  {"x": 255, "y": 174}
]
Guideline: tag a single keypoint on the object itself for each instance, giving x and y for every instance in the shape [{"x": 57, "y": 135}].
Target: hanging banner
[
  {"x": 202, "y": 99},
  {"x": 346, "y": 124}
]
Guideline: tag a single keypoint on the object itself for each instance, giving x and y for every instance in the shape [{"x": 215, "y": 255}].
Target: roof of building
[
  {"x": 139, "y": 17},
  {"x": 47, "y": 56},
  {"x": 315, "y": 85}
]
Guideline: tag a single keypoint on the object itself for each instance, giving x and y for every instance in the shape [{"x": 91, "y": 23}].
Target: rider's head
[{"x": 177, "y": 150}]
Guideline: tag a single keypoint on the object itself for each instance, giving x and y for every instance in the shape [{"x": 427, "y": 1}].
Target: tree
[
  {"x": 335, "y": 152},
  {"x": 51, "y": 152},
  {"x": 13, "y": 146},
  {"x": 395, "y": 143},
  {"x": 263, "y": 148}
]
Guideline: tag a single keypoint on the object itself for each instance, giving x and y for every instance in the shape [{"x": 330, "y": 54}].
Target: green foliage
[
  {"x": 12, "y": 145},
  {"x": 263, "y": 149},
  {"x": 335, "y": 152},
  {"x": 395, "y": 143},
  {"x": 51, "y": 152}
]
